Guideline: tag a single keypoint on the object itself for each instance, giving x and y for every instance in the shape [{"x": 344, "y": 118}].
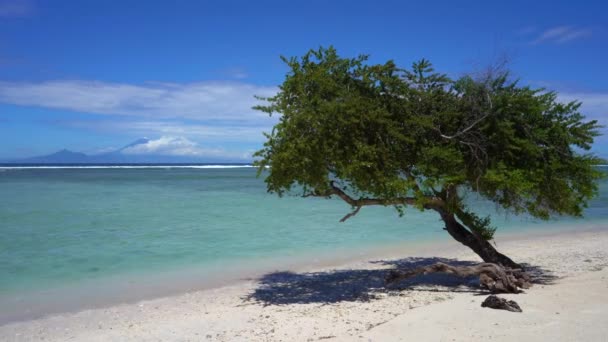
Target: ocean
[{"x": 67, "y": 228}]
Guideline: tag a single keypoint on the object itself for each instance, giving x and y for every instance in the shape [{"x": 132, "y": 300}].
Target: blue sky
[{"x": 92, "y": 76}]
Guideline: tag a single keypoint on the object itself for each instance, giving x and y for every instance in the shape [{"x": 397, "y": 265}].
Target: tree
[{"x": 381, "y": 135}]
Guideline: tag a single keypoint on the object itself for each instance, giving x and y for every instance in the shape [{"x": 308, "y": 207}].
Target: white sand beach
[{"x": 349, "y": 303}]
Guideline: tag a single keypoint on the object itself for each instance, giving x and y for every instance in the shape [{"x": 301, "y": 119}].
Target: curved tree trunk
[
  {"x": 459, "y": 232},
  {"x": 481, "y": 247}
]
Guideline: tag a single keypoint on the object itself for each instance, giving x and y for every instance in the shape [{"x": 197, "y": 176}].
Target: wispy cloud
[
  {"x": 170, "y": 146},
  {"x": 207, "y": 132},
  {"x": 182, "y": 147},
  {"x": 199, "y": 131},
  {"x": 561, "y": 34},
  {"x": 15, "y": 8},
  {"x": 210, "y": 101}
]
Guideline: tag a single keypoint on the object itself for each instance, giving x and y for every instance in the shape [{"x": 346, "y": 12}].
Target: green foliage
[
  {"x": 480, "y": 226},
  {"x": 384, "y": 132}
]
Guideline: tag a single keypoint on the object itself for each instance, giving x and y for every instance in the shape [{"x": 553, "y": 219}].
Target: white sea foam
[{"x": 19, "y": 167}]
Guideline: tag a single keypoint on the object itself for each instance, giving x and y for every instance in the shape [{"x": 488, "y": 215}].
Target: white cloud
[
  {"x": 202, "y": 132},
  {"x": 212, "y": 101},
  {"x": 225, "y": 133},
  {"x": 561, "y": 34},
  {"x": 182, "y": 147},
  {"x": 168, "y": 146}
]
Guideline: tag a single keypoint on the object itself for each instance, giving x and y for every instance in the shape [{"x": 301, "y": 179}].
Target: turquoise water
[{"x": 63, "y": 226}]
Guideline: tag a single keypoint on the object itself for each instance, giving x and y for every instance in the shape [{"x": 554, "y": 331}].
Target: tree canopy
[{"x": 377, "y": 134}]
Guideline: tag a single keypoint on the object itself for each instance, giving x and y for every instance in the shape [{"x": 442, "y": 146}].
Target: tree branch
[
  {"x": 459, "y": 133},
  {"x": 432, "y": 201},
  {"x": 369, "y": 201},
  {"x": 351, "y": 214}
]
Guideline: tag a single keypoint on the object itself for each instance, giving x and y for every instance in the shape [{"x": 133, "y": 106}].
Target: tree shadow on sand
[{"x": 361, "y": 285}]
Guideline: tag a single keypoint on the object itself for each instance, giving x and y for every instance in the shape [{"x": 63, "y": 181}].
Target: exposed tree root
[{"x": 495, "y": 278}]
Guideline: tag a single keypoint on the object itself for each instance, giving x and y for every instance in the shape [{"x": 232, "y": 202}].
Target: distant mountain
[
  {"x": 114, "y": 157},
  {"x": 60, "y": 157}
]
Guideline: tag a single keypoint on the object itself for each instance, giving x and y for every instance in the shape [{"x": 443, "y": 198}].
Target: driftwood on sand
[
  {"x": 494, "y": 302},
  {"x": 494, "y": 277}
]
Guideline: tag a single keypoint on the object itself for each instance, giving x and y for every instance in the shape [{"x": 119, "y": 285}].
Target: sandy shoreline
[{"x": 349, "y": 303}]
